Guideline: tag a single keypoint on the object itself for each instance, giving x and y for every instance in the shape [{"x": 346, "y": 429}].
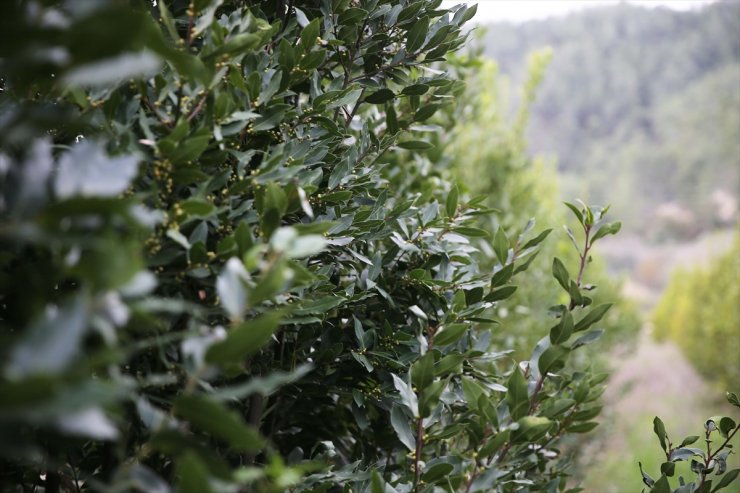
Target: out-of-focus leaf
[
  {"x": 244, "y": 339},
  {"x": 213, "y": 418},
  {"x": 52, "y": 343},
  {"x": 121, "y": 68},
  {"x": 86, "y": 170}
]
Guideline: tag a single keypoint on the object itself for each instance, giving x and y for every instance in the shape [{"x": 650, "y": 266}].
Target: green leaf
[
  {"x": 437, "y": 472},
  {"x": 516, "y": 396},
  {"x": 276, "y": 198},
  {"x": 417, "y": 34},
  {"x": 449, "y": 333},
  {"x": 415, "y": 90},
  {"x": 451, "y": 202},
  {"x": 531, "y": 429},
  {"x": 430, "y": 397},
  {"x": 501, "y": 245},
  {"x": 659, "y": 429},
  {"x": 352, "y": 16},
  {"x": 422, "y": 371},
  {"x": 562, "y": 332},
  {"x": 668, "y": 468},
  {"x": 733, "y": 399},
  {"x": 415, "y": 145},
  {"x": 214, "y": 419},
  {"x": 245, "y": 339},
  {"x": 589, "y": 337},
  {"x": 425, "y": 112},
  {"x": 582, "y": 427},
  {"x": 576, "y": 211},
  {"x": 661, "y": 486},
  {"x": 607, "y": 229},
  {"x": 377, "y": 483},
  {"x": 649, "y": 482},
  {"x": 193, "y": 474},
  {"x": 501, "y": 293},
  {"x": 726, "y": 425},
  {"x": 537, "y": 240},
  {"x": 310, "y": 32},
  {"x": 502, "y": 276},
  {"x": 381, "y": 96},
  {"x": 348, "y": 98},
  {"x": 726, "y": 480},
  {"x": 593, "y": 316},
  {"x": 400, "y": 424},
  {"x": 689, "y": 440},
  {"x": 199, "y": 208},
  {"x": 551, "y": 359},
  {"x": 560, "y": 273}
]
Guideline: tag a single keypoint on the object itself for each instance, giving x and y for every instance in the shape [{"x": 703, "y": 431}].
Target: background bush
[
  {"x": 699, "y": 312},
  {"x": 231, "y": 260}
]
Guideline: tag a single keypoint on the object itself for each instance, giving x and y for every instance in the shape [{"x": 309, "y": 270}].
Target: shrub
[
  {"x": 710, "y": 467},
  {"x": 699, "y": 312},
  {"x": 212, "y": 278}
]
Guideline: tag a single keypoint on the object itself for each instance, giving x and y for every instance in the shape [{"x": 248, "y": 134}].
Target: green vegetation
[
  {"x": 653, "y": 131},
  {"x": 489, "y": 154},
  {"x": 699, "y": 311},
  {"x": 232, "y": 260},
  {"x": 708, "y": 463}
]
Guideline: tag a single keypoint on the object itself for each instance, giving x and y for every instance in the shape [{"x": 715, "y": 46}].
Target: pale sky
[{"x": 524, "y": 10}]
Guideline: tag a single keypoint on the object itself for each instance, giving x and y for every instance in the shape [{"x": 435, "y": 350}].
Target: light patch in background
[{"x": 518, "y": 11}]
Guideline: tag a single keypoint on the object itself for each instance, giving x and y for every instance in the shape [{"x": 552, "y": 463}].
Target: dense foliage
[
  {"x": 654, "y": 130},
  {"x": 230, "y": 262},
  {"x": 699, "y": 311},
  {"x": 708, "y": 464}
]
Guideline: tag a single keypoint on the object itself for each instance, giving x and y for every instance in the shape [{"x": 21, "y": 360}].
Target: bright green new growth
[{"x": 232, "y": 261}]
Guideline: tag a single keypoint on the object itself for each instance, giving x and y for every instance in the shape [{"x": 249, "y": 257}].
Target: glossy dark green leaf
[
  {"x": 502, "y": 293},
  {"x": 552, "y": 359},
  {"x": 659, "y": 429},
  {"x": 437, "y": 472},
  {"x": 502, "y": 276},
  {"x": 422, "y": 371},
  {"x": 593, "y": 316},
  {"x": 449, "y": 333},
  {"x": 417, "y": 34},
  {"x": 517, "y": 397},
  {"x": 381, "y": 96},
  {"x": 562, "y": 332}
]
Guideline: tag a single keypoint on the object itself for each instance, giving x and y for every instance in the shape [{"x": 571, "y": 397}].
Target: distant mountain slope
[{"x": 641, "y": 107}]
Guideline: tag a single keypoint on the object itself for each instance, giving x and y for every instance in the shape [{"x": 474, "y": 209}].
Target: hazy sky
[{"x": 523, "y": 10}]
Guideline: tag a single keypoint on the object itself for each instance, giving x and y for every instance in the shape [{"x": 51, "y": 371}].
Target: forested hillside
[{"x": 640, "y": 106}]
